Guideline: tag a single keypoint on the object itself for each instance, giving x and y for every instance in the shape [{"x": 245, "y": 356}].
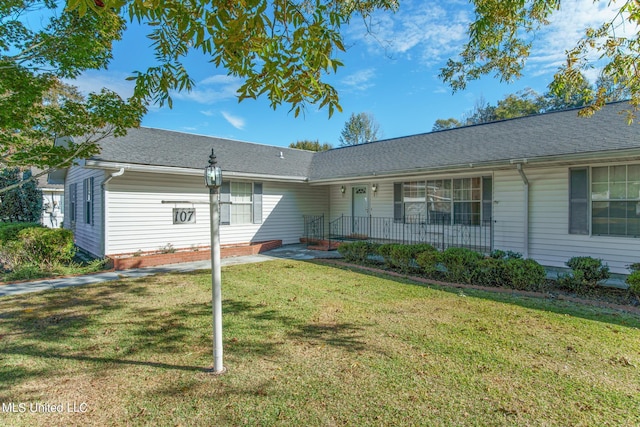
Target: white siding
[
  {"x": 549, "y": 240},
  {"x": 508, "y": 208},
  {"x": 87, "y": 236},
  {"x": 551, "y": 243},
  {"x": 138, "y": 220}
]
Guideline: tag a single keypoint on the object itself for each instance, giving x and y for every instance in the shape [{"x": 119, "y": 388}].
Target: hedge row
[
  {"x": 30, "y": 244},
  {"x": 458, "y": 265}
]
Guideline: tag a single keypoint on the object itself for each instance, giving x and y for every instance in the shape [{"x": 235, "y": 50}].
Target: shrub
[
  {"x": 524, "y": 274},
  {"x": 403, "y": 257},
  {"x": 633, "y": 280},
  {"x": 586, "y": 274},
  {"x": 460, "y": 264},
  {"x": 9, "y": 230},
  {"x": 429, "y": 263},
  {"x": 491, "y": 272},
  {"x": 357, "y": 251},
  {"x": 47, "y": 246}
]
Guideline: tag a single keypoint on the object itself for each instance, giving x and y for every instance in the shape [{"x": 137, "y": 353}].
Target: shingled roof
[
  {"x": 537, "y": 137},
  {"x": 542, "y": 137},
  {"x": 156, "y": 147}
]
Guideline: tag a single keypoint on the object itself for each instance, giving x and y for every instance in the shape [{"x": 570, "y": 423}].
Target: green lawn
[{"x": 309, "y": 344}]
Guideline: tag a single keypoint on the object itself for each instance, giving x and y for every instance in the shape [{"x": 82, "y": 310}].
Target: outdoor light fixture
[
  {"x": 374, "y": 188},
  {"x": 342, "y": 189},
  {"x": 213, "y": 179},
  {"x": 212, "y": 173}
]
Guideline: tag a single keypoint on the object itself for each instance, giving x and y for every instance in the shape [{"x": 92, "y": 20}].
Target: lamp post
[{"x": 213, "y": 180}]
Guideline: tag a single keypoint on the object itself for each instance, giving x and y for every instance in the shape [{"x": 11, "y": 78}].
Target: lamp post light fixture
[{"x": 213, "y": 180}]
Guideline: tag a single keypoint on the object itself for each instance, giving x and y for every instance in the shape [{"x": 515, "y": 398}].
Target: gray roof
[
  {"x": 156, "y": 147},
  {"x": 533, "y": 137},
  {"x": 541, "y": 137}
]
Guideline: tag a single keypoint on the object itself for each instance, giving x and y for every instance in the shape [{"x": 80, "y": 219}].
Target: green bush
[
  {"x": 47, "y": 246},
  {"x": 633, "y": 280},
  {"x": 460, "y": 264},
  {"x": 403, "y": 257},
  {"x": 491, "y": 272},
  {"x": 429, "y": 263},
  {"x": 357, "y": 251},
  {"x": 9, "y": 230},
  {"x": 525, "y": 274},
  {"x": 586, "y": 274}
]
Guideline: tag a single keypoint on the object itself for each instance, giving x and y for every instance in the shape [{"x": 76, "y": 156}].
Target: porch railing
[
  {"x": 440, "y": 232},
  {"x": 314, "y": 227}
]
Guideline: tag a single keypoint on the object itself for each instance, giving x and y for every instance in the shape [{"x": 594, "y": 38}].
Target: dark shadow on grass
[
  {"x": 536, "y": 302},
  {"x": 342, "y": 335}
]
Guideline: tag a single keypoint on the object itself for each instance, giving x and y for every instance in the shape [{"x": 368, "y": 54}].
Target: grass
[
  {"x": 311, "y": 344},
  {"x": 33, "y": 271}
]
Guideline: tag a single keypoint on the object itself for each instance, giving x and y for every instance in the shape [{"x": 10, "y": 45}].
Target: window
[
  {"x": 73, "y": 190},
  {"x": 241, "y": 203},
  {"x": 414, "y": 201},
  {"x": 615, "y": 200},
  {"x": 88, "y": 200},
  {"x": 465, "y": 201}
]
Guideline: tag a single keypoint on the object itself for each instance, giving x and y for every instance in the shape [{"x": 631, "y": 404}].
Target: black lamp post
[{"x": 213, "y": 180}]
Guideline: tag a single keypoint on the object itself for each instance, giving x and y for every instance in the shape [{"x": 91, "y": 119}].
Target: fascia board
[{"x": 96, "y": 164}]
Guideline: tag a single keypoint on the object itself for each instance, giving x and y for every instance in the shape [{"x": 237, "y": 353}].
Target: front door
[{"x": 360, "y": 209}]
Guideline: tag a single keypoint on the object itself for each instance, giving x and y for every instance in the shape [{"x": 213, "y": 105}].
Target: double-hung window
[
  {"x": 464, "y": 201},
  {"x": 241, "y": 203},
  {"x": 615, "y": 200}
]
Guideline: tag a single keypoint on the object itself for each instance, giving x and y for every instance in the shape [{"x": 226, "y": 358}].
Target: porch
[{"x": 438, "y": 231}]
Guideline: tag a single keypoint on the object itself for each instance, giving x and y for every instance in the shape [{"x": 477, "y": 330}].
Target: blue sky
[{"x": 392, "y": 75}]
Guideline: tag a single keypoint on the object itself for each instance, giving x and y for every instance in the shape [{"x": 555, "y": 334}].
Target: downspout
[
  {"x": 525, "y": 218},
  {"x": 103, "y": 232}
]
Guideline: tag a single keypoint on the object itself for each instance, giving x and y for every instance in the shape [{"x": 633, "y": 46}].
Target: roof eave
[
  {"x": 632, "y": 154},
  {"x": 172, "y": 170}
]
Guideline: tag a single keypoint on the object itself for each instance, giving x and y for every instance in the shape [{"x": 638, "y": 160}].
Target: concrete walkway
[{"x": 297, "y": 252}]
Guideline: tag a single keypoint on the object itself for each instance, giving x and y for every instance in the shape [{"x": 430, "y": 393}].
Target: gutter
[
  {"x": 97, "y": 164},
  {"x": 525, "y": 197}
]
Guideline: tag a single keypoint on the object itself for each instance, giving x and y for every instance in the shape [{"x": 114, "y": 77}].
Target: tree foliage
[
  {"x": 442, "y": 124},
  {"x": 24, "y": 202},
  {"x": 500, "y": 40},
  {"x": 282, "y": 49},
  {"x": 311, "y": 145},
  {"x": 529, "y": 102},
  {"x": 360, "y": 128}
]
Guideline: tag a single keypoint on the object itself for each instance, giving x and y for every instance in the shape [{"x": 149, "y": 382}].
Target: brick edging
[{"x": 155, "y": 259}]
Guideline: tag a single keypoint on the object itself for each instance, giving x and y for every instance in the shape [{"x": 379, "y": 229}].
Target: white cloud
[
  {"x": 567, "y": 26},
  {"x": 207, "y": 113},
  {"x": 236, "y": 122},
  {"x": 94, "y": 81},
  {"x": 360, "y": 80},
  {"x": 212, "y": 89},
  {"x": 424, "y": 30}
]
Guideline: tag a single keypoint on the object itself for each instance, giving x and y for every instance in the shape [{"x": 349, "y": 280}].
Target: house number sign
[{"x": 184, "y": 215}]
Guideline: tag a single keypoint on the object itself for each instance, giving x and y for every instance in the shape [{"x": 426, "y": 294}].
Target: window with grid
[
  {"x": 414, "y": 201},
  {"x": 241, "y": 202},
  {"x": 615, "y": 200},
  {"x": 467, "y": 200}
]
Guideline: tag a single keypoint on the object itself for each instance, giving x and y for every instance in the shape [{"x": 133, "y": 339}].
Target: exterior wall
[
  {"x": 508, "y": 210},
  {"x": 137, "y": 220},
  {"x": 549, "y": 240},
  {"x": 87, "y": 236}
]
